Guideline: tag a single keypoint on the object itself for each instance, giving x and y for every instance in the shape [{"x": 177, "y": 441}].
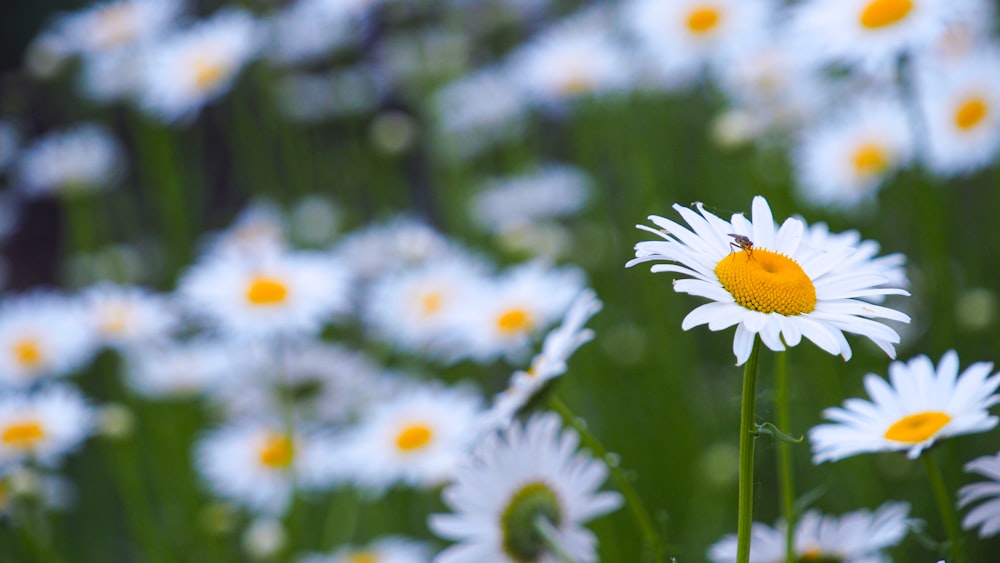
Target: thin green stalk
[
  {"x": 551, "y": 537},
  {"x": 747, "y": 439},
  {"x": 947, "y": 509},
  {"x": 785, "y": 470},
  {"x": 653, "y": 542}
]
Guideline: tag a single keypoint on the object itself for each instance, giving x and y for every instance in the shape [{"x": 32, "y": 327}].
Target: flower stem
[
  {"x": 785, "y": 471},
  {"x": 653, "y": 542},
  {"x": 747, "y": 438},
  {"x": 551, "y": 538},
  {"x": 948, "y": 515}
]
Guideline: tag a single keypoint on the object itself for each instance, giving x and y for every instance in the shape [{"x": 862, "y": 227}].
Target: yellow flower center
[
  {"x": 883, "y": 13},
  {"x": 28, "y": 353},
  {"x": 363, "y": 557},
  {"x": 703, "y": 19},
  {"x": 430, "y": 303},
  {"x": 265, "y": 290},
  {"x": 971, "y": 113},
  {"x": 208, "y": 73},
  {"x": 115, "y": 26},
  {"x": 23, "y": 435},
  {"x": 917, "y": 427},
  {"x": 577, "y": 82},
  {"x": 414, "y": 437},
  {"x": 277, "y": 451},
  {"x": 766, "y": 281},
  {"x": 870, "y": 159},
  {"x": 115, "y": 319},
  {"x": 514, "y": 321}
]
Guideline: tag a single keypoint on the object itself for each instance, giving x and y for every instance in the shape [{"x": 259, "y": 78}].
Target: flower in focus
[
  {"x": 779, "y": 288},
  {"x": 193, "y": 67},
  {"x": 387, "y": 549},
  {"x": 85, "y": 158},
  {"x": 294, "y": 292},
  {"x": 43, "y": 426},
  {"x": 856, "y": 537},
  {"x": 513, "y": 480},
  {"x": 416, "y": 437},
  {"x": 42, "y": 335},
  {"x": 919, "y": 406},
  {"x": 986, "y": 516},
  {"x": 844, "y": 161}
]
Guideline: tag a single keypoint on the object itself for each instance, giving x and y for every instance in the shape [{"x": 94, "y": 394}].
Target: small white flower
[
  {"x": 856, "y": 537},
  {"x": 125, "y": 316},
  {"x": 43, "y": 426},
  {"x": 307, "y": 30},
  {"x": 919, "y": 406},
  {"x": 179, "y": 369},
  {"x": 42, "y": 335},
  {"x": 479, "y": 110},
  {"x": 554, "y": 191},
  {"x": 259, "y": 229},
  {"x": 386, "y": 549},
  {"x": 527, "y": 473},
  {"x": 394, "y": 245},
  {"x": 986, "y": 516},
  {"x": 193, "y": 67},
  {"x": 118, "y": 25},
  {"x": 84, "y": 158}
]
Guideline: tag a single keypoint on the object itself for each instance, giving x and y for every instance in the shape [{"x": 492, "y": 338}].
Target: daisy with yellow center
[
  {"x": 43, "y": 426},
  {"x": 920, "y": 405},
  {"x": 42, "y": 335},
  {"x": 778, "y": 288},
  {"x": 127, "y": 315}
]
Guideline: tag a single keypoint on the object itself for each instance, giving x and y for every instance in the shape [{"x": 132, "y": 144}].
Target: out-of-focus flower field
[{"x": 345, "y": 281}]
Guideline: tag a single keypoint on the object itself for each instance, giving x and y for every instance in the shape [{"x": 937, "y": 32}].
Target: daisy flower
[
  {"x": 258, "y": 229},
  {"x": 182, "y": 369},
  {"x": 43, "y": 426},
  {"x": 257, "y": 465},
  {"x": 511, "y": 310},
  {"x": 85, "y": 158},
  {"x": 856, "y": 537},
  {"x": 118, "y": 25},
  {"x": 986, "y": 516},
  {"x": 683, "y": 36},
  {"x": 527, "y": 474},
  {"x": 845, "y": 160},
  {"x": 870, "y": 33},
  {"x": 125, "y": 316},
  {"x": 554, "y": 191},
  {"x": 478, "y": 111},
  {"x": 193, "y": 67},
  {"x": 864, "y": 255},
  {"x": 307, "y": 30},
  {"x": 961, "y": 103},
  {"x": 559, "y": 344},
  {"x": 919, "y": 406},
  {"x": 42, "y": 335},
  {"x": 416, "y": 437},
  {"x": 289, "y": 293},
  {"x": 392, "y": 246},
  {"x": 777, "y": 288},
  {"x": 387, "y": 549}
]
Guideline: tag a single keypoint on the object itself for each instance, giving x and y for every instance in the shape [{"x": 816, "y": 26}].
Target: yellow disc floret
[
  {"x": 766, "y": 281},
  {"x": 883, "y": 13},
  {"x": 703, "y": 19},
  {"x": 277, "y": 451},
  {"x": 917, "y": 427},
  {"x": 971, "y": 112},
  {"x": 414, "y": 437}
]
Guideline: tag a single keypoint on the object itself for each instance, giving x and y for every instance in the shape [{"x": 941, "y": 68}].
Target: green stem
[
  {"x": 785, "y": 470},
  {"x": 747, "y": 438},
  {"x": 551, "y": 537},
  {"x": 945, "y": 506},
  {"x": 653, "y": 542}
]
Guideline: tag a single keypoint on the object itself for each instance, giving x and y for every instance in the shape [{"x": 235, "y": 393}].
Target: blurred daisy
[
  {"x": 511, "y": 310},
  {"x": 554, "y": 191},
  {"x": 416, "y": 438},
  {"x": 125, "y": 316},
  {"x": 986, "y": 516},
  {"x": 845, "y": 160},
  {"x": 42, "y": 335},
  {"x": 184, "y": 369},
  {"x": 85, "y": 158},
  {"x": 259, "y": 229},
  {"x": 306, "y": 30},
  {"x": 289, "y": 293},
  {"x": 871, "y": 33},
  {"x": 559, "y": 344},
  {"x": 43, "y": 426},
  {"x": 387, "y": 549},
  {"x": 420, "y": 309},
  {"x": 681, "y": 37},
  {"x": 856, "y": 537},
  {"x": 392, "y": 246},
  {"x": 961, "y": 103},
  {"x": 778, "y": 288},
  {"x": 528, "y": 474},
  {"x": 577, "y": 57},
  {"x": 119, "y": 24},
  {"x": 193, "y": 67},
  {"x": 258, "y": 465},
  {"x": 478, "y": 111},
  {"x": 313, "y": 97},
  {"x": 919, "y": 406}
]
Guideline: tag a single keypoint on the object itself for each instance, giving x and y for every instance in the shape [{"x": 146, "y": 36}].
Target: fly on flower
[{"x": 742, "y": 242}]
